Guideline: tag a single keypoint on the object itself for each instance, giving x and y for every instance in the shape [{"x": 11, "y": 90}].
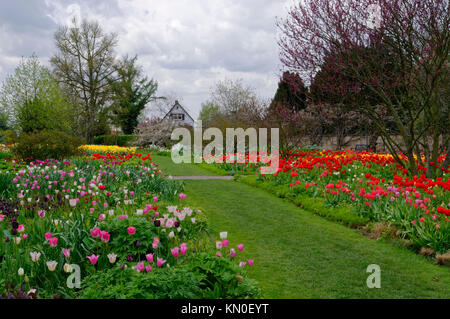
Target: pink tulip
[
  {"x": 93, "y": 259},
  {"x": 233, "y": 253},
  {"x": 182, "y": 196},
  {"x": 105, "y": 236},
  {"x": 160, "y": 261},
  {"x": 175, "y": 252},
  {"x": 148, "y": 268},
  {"x": 131, "y": 230},
  {"x": 225, "y": 243},
  {"x": 95, "y": 232},
  {"x": 155, "y": 198},
  {"x": 183, "y": 249},
  {"x": 250, "y": 262},
  {"x": 25, "y": 236},
  {"x": 155, "y": 242},
  {"x": 53, "y": 241},
  {"x": 149, "y": 258},
  {"x": 240, "y": 247},
  {"x": 48, "y": 235},
  {"x": 140, "y": 266},
  {"x": 66, "y": 253}
]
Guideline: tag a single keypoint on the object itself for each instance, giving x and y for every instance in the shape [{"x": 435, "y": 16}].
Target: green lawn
[
  {"x": 170, "y": 168},
  {"x": 299, "y": 255}
]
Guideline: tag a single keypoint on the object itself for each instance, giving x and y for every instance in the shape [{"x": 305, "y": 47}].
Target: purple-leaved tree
[{"x": 394, "y": 50}]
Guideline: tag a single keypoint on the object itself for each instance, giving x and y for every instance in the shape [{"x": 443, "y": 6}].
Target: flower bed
[
  {"x": 107, "y": 149},
  {"x": 357, "y": 188},
  {"x": 110, "y": 226}
]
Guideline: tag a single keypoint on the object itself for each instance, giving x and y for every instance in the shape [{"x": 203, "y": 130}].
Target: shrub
[
  {"x": 120, "y": 140},
  {"x": 46, "y": 144},
  {"x": 154, "y": 132},
  {"x": 6, "y": 185},
  {"x": 204, "y": 277}
]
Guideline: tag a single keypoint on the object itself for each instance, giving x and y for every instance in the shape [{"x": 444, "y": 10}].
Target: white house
[{"x": 179, "y": 115}]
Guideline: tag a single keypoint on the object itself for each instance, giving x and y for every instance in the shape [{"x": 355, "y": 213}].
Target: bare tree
[{"x": 83, "y": 64}]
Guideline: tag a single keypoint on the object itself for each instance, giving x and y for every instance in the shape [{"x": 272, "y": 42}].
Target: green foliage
[
  {"x": 203, "y": 277},
  {"x": 291, "y": 92},
  {"x": 166, "y": 189},
  {"x": 6, "y": 185},
  {"x": 132, "y": 92},
  {"x": 208, "y": 112},
  {"x": 46, "y": 144},
  {"x": 33, "y": 100},
  {"x": 120, "y": 140}
]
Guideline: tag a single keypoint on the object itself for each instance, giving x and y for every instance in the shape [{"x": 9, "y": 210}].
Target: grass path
[{"x": 299, "y": 255}]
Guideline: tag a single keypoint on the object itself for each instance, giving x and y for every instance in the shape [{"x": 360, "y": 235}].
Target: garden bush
[
  {"x": 46, "y": 144},
  {"x": 203, "y": 276}
]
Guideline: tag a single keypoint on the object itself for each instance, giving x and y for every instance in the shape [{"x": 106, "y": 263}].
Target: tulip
[
  {"x": 51, "y": 265},
  {"x": 240, "y": 247},
  {"x": 233, "y": 253},
  {"x": 149, "y": 258},
  {"x": 105, "y": 236},
  {"x": 155, "y": 242},
  {"x": 182, "y": 196},
  {"x": 53, "y": 241},
  {"x": 218, "y": 244},
  {"x": 35, "y": 256},
  {"x": 148, "y": 268},
  {"x": 131, "y": 230},
  {"x": 183, "y": 249},
  {"x": 93, "y": 259},
  {"x": 225, "y": 243},
  {"x": 66, "y": 253},
  {"x": 112, "y": 258},
  {"x": 95, "y": 232},
  {"x": 250, "y": 262},
  {"x": 72, "y": 202},
  {"x": 160, "y": 262},
  {"x": 67, "y": 267},
  {"x": 223, "y": 235},
  {"x": 140, "y": 266},
  {"x": 48, "y": 235},
  {"x": 20, "y": 272},
  {"x": 175, "y": 252}
]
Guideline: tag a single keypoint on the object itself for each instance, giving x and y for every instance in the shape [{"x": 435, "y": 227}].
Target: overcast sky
[{"x": 186, "y": 45}]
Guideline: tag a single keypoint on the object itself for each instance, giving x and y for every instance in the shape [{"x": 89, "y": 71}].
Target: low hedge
[{"x": 120, "y": 140}]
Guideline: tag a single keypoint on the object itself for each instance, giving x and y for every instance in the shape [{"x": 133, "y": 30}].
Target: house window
[{"x": 177, "y": 117}]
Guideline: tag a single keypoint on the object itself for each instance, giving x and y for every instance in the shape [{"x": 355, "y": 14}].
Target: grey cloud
[{"x": 185, "y": 45}]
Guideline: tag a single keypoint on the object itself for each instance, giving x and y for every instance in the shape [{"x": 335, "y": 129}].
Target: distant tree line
[{"x": 86, "y": 90}]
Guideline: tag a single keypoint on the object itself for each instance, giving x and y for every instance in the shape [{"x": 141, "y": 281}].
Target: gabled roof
[{"x": 178, "y": 104}]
